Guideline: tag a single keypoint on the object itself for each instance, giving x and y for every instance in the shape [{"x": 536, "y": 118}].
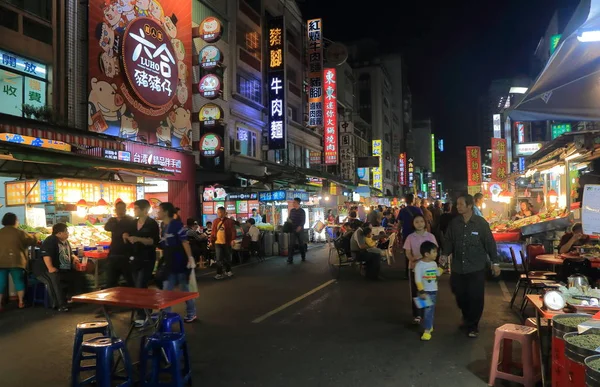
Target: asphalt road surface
[{"x": 278, "y": 325}]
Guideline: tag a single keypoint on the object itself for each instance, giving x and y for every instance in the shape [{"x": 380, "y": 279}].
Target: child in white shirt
[{"x": 426, "y": 276}]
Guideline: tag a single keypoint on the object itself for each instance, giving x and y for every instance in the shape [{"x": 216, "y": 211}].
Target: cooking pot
[{"x": 577, "y": 281}]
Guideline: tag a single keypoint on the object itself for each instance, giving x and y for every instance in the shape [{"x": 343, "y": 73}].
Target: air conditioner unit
[
  {"x": 243, "y": 182},
  {"x": 237, "y": 147}
]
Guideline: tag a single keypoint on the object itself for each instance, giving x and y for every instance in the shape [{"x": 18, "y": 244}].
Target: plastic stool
[
  {"x": 103, "y": 349},
  {"x": 530, "y": 365},
  {"x": 532, "y": 322},
  {"x": 174, "y": 347},
  {"x": 35, "y": 289},
  {"x": 87, "y": 328},
  {"x": 169, "y": 320}
]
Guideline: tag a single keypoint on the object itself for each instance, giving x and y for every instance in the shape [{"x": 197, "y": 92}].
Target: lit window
[
  {"x": 248, "y": 143},
  {"x": 250, "y": 88}
]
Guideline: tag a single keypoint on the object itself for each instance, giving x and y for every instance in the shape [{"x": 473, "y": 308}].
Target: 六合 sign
[
  {"x": 402, "y": 169},
  {"x": 210, "y": 114},
  {"x": 499, "y": 159},
  {"x": 277, "y": 130},
  {"x": 243, "y": 196},
  {"x": 560, "y": 129},
  {"x": 149, "y": 62},
  {"x": 35, "y": 141},
  {"x": 210, "y": 86},
  {"x": 377, "y": 174},
  {"x": 140, "y": 62},
  {"x": 22, "y": 65},
  {"x": 528, "y": 149},
  {"x": 210, "y": 29},
  {"x": 473, "y": 165},
  {"x": 210, "y": 57},
  {"x": 331, "y": 135},
  {"x": 271, "y": 196},
  {"x": 315, "y": 70}
]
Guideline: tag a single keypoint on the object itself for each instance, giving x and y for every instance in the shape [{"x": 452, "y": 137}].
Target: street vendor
[
  {"x": 526, "y": 210},
  {"x": 573, "y": 239}
]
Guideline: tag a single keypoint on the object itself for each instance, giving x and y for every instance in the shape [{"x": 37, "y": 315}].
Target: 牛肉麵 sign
[{"x": 140, "y": 61}]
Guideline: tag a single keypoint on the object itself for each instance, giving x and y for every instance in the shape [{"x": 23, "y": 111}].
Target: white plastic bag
[{"x": 192, "y": 284}]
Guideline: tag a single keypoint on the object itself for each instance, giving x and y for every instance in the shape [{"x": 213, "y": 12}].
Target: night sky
[{"x": 453, "y": 50}]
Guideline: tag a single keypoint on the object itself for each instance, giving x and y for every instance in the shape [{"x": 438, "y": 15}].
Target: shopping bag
[
  {"x": 422, "y": 303},
  {"x": 193, "y": 285}
]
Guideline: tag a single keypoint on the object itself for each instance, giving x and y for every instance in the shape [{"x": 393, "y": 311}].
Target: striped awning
[{"x": 69, "y": 138}]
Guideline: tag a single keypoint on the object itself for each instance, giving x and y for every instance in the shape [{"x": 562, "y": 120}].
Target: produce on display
[
  {"x": 586, "y": 341},
  {"x": 515, "y": 225},
  {"x": 594, "y": 364},
  {"x": 41, "y": 233},
  {"x": 265, "y": 227},
  {"x": 573, "y": 322},
  {"x": 87, "y": 235}
]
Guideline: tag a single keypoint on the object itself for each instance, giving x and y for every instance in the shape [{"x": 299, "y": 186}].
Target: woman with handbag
[{"x": 175, "y": 266}]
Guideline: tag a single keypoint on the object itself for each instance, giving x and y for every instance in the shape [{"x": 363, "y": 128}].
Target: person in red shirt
[{"x": 223, "y": 238}]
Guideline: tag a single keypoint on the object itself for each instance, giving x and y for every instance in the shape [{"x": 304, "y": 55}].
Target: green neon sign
[{"x": 554, "y": 39}]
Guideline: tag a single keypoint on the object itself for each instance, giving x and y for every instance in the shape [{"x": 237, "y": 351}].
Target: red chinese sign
[
  {"x": 499, "y": 159},
  {"x": 473, "y": 165},
  {"x": 331, "y": 136},
  {"x": 402, "y": 169}
]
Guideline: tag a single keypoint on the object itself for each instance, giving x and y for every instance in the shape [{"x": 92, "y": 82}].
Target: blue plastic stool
[
  {"x": 169, "y": 321},
  {"x": 87, "y": 328},
  {"x": 103, "y": 349},
  {"x": 175, "y": 348},
  {"x": 38, "y": 293}
]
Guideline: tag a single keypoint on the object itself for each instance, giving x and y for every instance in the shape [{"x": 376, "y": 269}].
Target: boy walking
[{"x": 426, "y": 276}]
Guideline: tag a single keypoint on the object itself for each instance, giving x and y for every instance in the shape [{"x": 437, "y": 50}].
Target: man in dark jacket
[
  {"x": 297, "y": 218},
  {"x": 470, "y": 241},
  {"x": 120, "y": 227}
]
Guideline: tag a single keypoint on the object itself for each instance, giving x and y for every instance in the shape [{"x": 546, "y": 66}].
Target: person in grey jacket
[{"x": 470, "y": 241}]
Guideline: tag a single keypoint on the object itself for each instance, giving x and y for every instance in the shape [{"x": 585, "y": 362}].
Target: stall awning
[
  {"x": 568, "y": 87},
  {"x": 33, "y": 128},
  {"x": 30, "y": 161}
]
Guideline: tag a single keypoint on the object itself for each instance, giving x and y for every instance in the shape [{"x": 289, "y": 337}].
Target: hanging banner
[
  {"x": 331, "y": 134},
  {"x": 377, "y": 175},
  {"x": 473, "y": 165},
  {"x": 347, "y": 157},
  {"x": 315, "y": 70},
  {"x": 277, "y": 133},
  {"x": 140, "y": 60},
  {"x": 402, "y": 169},
  {"x": 499, "y": 159}
]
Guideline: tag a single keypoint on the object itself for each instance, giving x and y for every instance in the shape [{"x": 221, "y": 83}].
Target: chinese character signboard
[
  {"x": 499, "y": 159},
  {"x": 347, "y": 159},
  {"x": 411, "y": 172},
  {"x": 35, "y": 141},
  {"x": 140, "y": 61},
  {"x": 22, "y": 82},
  {"x": 473, "y": 165},
  {"x": 210, "y": 115},
  {"x": 315, "y": 158},
  {"x": 272, "y": 196},
  {"x": 560, "y": 129},
  {"x": 330, "y": 139},
  {"x": 277, "y": 131},
  {"x": 554, "y": 40},
  {"x": 210, "y": 57},
  {"x": 433, "y": 189},
  {"x": 402, "y": 169},
  {"x": 377, "y": 172},
  {"x": 210, "y": 29},
  {"x": 315, "y": 70},
  {"x": 497, "y": 122}
]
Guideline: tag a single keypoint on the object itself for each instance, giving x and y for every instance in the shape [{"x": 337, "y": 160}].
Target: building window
[
  {"x": 294, "y": 113},
  {"x": 292, "y": 76},
  {"x": 248, "y": 142},
  {"x": 250, "y": 88},
  {"x": 386, "y": 103},
  {"x": 248, "y": 39},
  {"x": 22, "y": 82},
  {"x": 40, "y": 8},
  {"x": 386, "y": 120},
  {"x": 388, "y": 174}
]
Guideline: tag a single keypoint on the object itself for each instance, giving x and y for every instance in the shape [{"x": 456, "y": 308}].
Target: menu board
[
  {"x": 217, "y": 205},
  {"x": 208, "y": 208},
  {"x": 241, "y": 207},
  {"x": 66, "y": 191},
  {"x": 590, "y": 210},
  {"x": 230, "y": 208},
  {"x": 252, "y": 204}
]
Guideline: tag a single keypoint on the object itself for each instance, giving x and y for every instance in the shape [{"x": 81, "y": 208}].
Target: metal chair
[{"x": 528, "y": 283}]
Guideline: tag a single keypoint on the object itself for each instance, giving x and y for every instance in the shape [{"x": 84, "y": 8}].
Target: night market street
[{"x": 348, "y": 333}]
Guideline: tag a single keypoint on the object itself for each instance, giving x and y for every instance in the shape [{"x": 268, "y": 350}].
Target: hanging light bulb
[
  {"x": 81, "y": 203},
  {"x": 102, "y": 203},
  {"x": 552, "y": 196}
]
